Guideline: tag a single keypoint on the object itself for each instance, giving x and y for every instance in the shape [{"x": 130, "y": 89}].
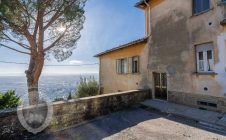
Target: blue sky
[{"x": 109, "y": 23}]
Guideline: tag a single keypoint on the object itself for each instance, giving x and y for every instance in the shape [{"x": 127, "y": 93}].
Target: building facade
[
  {"x": 121, "y": 68},
  {"x": 186, "y": 54}
]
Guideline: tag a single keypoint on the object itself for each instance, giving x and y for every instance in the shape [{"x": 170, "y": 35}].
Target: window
[
  {"x": 205, "y": 59},
  {"x": 135, "y": 64},
  {"x": 200, "y": 6},
  {"x": 122, "y": 66}
]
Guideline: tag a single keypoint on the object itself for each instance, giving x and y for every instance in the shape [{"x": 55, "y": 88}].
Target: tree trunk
[
  {"x": 33, "y": 74},
  {"x": 33, "y": 94}
]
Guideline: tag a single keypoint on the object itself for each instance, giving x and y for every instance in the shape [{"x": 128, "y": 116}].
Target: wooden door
[{"x": 160, "y": 85}]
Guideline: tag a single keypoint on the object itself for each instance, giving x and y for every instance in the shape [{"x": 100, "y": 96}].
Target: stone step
[{"x": 208, "y": 117}]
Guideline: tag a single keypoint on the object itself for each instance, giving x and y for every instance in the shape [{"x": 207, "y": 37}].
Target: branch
[
  {"x": 25, "y": 9},
  {"x": 20, "y": 44},
  {"x": 40, "y": 29},
  {"x": 12, "y": 25},
  {"x": 57, "y": 40},
  {"x": 53, "y": 19},
  {"x": 36, "y": 27},
  {"x": 50, "y": 38},
  {"x": 14, "y": 49},
  {"x": 58, "y": 14},
  {"x": 50, "y": 11}
]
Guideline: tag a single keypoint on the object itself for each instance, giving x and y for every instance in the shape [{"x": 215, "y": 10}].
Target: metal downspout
[{"x": 149, "y": 34}]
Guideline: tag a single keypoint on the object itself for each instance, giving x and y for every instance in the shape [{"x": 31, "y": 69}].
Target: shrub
[
  {"x": 9, "y": 100},
  {"x": 87, "y": 87}
]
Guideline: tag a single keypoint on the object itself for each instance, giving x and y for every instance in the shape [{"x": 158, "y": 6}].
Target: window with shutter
[
  {"x": 135, "y": 64},
  {"x": 122, "y": 66},
  {"x": 205, "y": 58}
]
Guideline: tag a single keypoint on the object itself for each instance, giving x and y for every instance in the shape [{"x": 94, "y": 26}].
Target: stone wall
[
  {"x": 198, "y": 100},
  {"x": 69, "y": 113}
]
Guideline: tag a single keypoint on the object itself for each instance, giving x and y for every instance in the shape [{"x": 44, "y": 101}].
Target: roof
[
  {"x": 141, "y": 4},
  {"x": 130, "y": 44}
]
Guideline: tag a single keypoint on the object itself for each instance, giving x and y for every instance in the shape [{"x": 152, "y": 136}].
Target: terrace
[
  {"x": 115, "y": 116},
  {"x": 135, "y": 123}
]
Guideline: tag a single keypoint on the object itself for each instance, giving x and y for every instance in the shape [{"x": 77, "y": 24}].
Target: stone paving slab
[
  {"x": 136, "y": 124},
  {"x": 211, "y": 117}
]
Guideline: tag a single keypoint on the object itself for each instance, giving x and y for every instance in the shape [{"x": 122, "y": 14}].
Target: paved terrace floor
[{"x": 137, "y": 124}]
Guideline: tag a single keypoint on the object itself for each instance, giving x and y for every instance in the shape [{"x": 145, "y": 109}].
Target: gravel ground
[{"x": 137, "y": 124}]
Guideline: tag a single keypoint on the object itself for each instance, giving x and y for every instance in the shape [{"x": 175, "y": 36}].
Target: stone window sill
[
  {"x": 205, "y": 73},
  {"x": 122, "y": 74},
  {"x": 137, "y": 73},
  {"x": 203, "y": 12}
]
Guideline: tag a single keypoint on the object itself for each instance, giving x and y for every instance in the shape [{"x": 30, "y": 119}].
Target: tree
[{"x": 40, "y": 29}]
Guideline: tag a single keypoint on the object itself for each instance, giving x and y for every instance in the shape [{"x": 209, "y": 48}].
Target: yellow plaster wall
[{"x": 111, "y": 82}]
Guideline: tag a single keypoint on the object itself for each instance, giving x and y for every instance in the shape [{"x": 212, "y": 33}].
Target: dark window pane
[
  {"x": 118, "y": 65},
  {"x": 157, "y": 79},
  {"x": 163, "y": 78},
  {"x": 206, "y": 5},
  {"x": 209, "y": 54},
  {"x": 122, "y": 66},
  {"x": 200, "y": 55},
  {"x": 135, "y": 67},
  {"x": 200, "y": 6},
  {"x": 197, "y": 6},
  {"x": 135, "y": 63}
]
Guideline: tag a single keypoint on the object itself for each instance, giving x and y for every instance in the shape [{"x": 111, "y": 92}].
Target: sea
[{"x": 54, "y": 86}]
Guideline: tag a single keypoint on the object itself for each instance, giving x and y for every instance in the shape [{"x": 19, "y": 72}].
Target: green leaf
[{"x": 9, "y": 100}]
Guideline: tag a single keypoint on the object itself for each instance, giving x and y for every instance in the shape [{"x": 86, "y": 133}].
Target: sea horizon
[
  {"x": 56, "y": 74},
  {"x": 54, "y": 86}
]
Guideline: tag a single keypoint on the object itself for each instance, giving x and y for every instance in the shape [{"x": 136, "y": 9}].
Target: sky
[{"x": 109, "y": 23}]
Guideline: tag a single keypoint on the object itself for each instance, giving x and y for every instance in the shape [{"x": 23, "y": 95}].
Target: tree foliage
[
  {"x": 9, "y": 100},
  {"x": 28, "y": 23},
  {"x": 39, "y": 28},
  {"x": 87, "y": 87}
]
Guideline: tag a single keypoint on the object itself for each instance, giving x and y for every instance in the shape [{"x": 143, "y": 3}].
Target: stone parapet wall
[
  {"x": 69, "y": 113},
  {"x": 198, "y": 101}
]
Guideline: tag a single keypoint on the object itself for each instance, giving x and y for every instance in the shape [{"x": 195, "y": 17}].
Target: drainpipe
[
  {"x": 149, "y": 16},
  {"x": 149, "y": 34}
]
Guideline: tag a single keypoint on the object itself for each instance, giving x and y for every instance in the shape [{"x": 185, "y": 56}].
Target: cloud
[
  {"x": 73, "y": 62},
  {"x": 73, "y": 70}
]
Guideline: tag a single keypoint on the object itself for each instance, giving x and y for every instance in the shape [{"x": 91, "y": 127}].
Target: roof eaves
[
  {"x": 123, "y": 46},
  {"x": 140, "y": 3}
]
